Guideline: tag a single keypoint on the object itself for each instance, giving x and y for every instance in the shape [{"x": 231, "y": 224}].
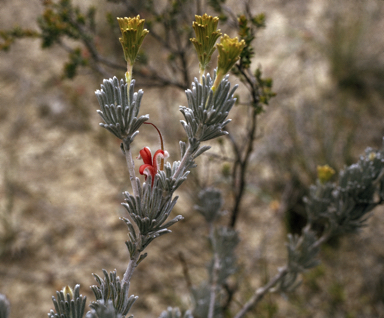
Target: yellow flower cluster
[
  {"x": 229, "y": 53},
  {"x": 205, "y": 27},
  {"x": 133, "y": 34},
  {"x": 324, "y": 173},
  {"x": 206, "y": 35}
]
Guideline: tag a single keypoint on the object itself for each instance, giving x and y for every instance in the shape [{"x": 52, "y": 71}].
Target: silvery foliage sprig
[
  {"x": 223, "y": 239},
  {"x": 201, "y": 299},
  {"x": 206, "y": 297},
  {"x": 302, "y": 253},
  {"x": 205, "y": 117},
  {"x": 222, "y": 265},
  {"x": 149, "y": 211},
  {"x": 120, "y": 110},
  {"x": 5, "y": 308},
  {"x": 68, "y": 305},
  {"x": 110, "y": 289},
  {"x": 207, "y": 111},
  {"x": 210, "y": 203},
  {"x": 103, "y": 310},
  {"x": 226, "y": 241},
  {"x": 149, "y": 208},
  {"x": 343, "y": 207},
  {"x": 175, "y": 313}
]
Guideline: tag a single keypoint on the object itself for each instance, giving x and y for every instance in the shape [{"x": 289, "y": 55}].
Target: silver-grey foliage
[
  {"x": 205, "y": 116},
  {"x": 103, "y": 310},
  {"x": 208, "y": 296},
  {"x": 210, "y": 203},
  {"x": 225, "y": 243},
  {"x": 175, "y": 313},
  {"x": 302, "y": 253},
  {"x": 149, "y": 211},
  {"x": 200, "y": 301},
  {"x": 111, "y": 289},
  {"x": 167, "y": 181},
  {"x": 118, "y": 110},
  {"x": 5, "y": 309},
  {"x": 67, "y": 306},
  {"x": 345, "y": 206}
]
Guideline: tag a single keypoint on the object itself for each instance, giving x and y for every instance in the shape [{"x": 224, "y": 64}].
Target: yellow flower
[
  {"x": 229, "y": 53},
  {"x": 206, "y": 35},
  {"x": 133, "y": 34},
  {"x": 324, "y": 173}
]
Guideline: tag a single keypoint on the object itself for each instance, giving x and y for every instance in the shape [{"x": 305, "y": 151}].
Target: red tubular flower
[{"x": 150, "y": 165}]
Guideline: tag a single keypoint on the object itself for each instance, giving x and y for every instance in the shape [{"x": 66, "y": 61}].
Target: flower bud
[{"x": 67, "y": 290}]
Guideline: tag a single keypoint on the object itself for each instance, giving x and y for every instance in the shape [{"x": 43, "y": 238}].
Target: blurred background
[{"x": 61, "y": 175}]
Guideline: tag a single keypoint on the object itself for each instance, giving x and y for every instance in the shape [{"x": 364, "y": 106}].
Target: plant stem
[
  {"x": 215, "y": 272},
  {"x": 128, "y": 77},
  {"x": 259, "y": 293},
  {"x": 240, "y": 168},
  {"x": 183, "y": 162},
  {"x": 184, "y": 265},
  {"x": 130, "y": 268},
  {"x": 131, "y": 168}
]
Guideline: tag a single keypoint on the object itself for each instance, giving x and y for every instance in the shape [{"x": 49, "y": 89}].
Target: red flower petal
[
  {"x": 161, "y": 154},
  {"x": 143, "y": 167},
  {"x": 150, "y": 166},
  {"x": 146, "y": 155}
]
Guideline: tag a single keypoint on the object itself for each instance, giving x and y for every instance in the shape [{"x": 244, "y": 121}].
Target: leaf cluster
[
  {"x": 61, "y": 18},
  {"x": 120, "y": 109},
  {"x": 344, "y": 206},
  {"x": 210, "y": 203},
  {"x": 103, "y": 310},
  {"x": 8, "y": 37},
  {"x": 302, "y": 253},
  {"x": 205, "y": 116},
  {"x": 224, "y": 244},
  {"x": 175, "y": 313},
  {"x": 341, "y": 207},
  {"x": 68, "y": 305},
  {"x": 149, "y": 211},
  {"x": 111, "y": 290}
]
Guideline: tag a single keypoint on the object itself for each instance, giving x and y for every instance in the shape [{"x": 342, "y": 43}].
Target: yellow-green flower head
[
  {"x": 133, "y": 34},
  {"x": 324, "y": 173},
  {"x": 229, "y": 53},
  {"x": 206, "y": 35}
]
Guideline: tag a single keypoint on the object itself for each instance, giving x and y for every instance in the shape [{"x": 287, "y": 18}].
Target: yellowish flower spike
[
  {"x": 324, "y": 173},
  {"x": 229, "y": 53},
  {"x": 133, "y": 34},
  {"x": 206, "y": 35}
]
